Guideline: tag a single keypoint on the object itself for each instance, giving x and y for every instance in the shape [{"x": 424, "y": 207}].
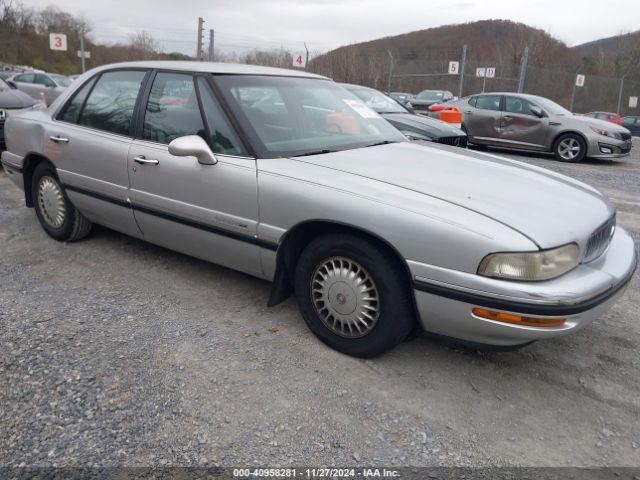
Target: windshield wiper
[
  {"x": 384, "y": 142},
  {"x": 315, "y": 152}
]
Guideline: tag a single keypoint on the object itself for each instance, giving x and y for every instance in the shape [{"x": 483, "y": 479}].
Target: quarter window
[
  {"x": 223, "y": 138},
  {"x": 172, "y": 110},
  {"x": 110, "y": 105},
  {"x": 488, "y": 102},
  {"x": 43, "y": 80}
]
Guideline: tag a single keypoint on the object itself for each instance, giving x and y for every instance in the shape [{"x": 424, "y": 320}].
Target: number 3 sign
[
  {"x": 58, "y": 41},
  {"x": 300, "y": 60}
]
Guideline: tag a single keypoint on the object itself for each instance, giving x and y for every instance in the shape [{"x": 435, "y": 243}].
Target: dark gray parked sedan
[
  {"x": 414, "y": 127},
  {"x": 529, "y": 122}
]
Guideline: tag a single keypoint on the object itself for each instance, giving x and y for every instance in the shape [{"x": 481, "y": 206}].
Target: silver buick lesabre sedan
[{"x": 288, "y": 177}]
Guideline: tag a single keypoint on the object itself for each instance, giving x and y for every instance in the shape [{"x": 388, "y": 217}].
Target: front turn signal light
[{"x": 518, "y": 319}]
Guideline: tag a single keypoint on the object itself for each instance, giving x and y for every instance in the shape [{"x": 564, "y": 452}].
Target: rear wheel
[
  {"x": 570, "y": 148},
  {"x": 57, "y": 216},
  {"x": 353, "y": 295}
]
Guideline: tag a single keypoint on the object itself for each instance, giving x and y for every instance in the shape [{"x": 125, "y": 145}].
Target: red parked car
[{"x": 608, "y": 116}]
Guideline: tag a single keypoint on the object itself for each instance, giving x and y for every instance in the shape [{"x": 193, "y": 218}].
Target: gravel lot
[{"x": 117, "y": 352}]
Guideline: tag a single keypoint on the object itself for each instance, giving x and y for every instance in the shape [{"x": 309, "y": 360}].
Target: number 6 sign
[
  {"x": 300, "y": 60},
  {"x": 58, "y": 41}
]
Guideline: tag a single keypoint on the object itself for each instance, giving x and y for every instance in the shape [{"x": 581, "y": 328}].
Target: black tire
[
  {"x": 396, "y": 316},
  {"x": 74, "y": 226},
  {"x": 569, "y": 137}
]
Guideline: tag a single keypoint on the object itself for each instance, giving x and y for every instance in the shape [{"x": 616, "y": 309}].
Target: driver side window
[{"x": 518, "y": 105}]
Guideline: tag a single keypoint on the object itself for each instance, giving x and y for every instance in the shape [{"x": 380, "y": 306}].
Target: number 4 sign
[
  {"x": 58, "y": 41},
  {"x": 300, "y": 60}
]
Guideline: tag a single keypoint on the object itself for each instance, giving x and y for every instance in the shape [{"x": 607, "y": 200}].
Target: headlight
[
  {"x": 607, "y": 133},
  {"x": 531, "y": 266}
]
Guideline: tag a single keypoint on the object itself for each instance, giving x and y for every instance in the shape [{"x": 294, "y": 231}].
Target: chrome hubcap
[
  {"x": 569, "y": 148},
  {"x": 345, "y": 297},
  {"x": 51, "y": 202}
]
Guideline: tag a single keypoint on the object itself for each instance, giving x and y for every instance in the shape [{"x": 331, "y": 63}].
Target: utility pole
[
  {"x": 620, "y": 95},
  {"x": 82, "y": 51},
  {"x": 200, "y": 53},
  {"x": 573, "y": 94},
  {"x": 211, "y": 51},
  {"x": 390, "y": 71},
  {"x": 463, "y": 60},
  {"x": 523, "y": 69},
  {"x": 306, "y": 63}
]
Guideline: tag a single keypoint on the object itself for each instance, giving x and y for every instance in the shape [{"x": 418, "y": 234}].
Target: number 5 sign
[
  {"x": 300, "y": 60},
  {"x": 58, "y": 41},
  {"x": 453, "y": 68}
]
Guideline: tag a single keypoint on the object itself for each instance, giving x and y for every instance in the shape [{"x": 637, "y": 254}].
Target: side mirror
[
  {"x": 537, "y": 111},
  {"x": 193, "y": 146},
  {"x": 12, "y": 84},
  {"x": 409, "y": 107}
]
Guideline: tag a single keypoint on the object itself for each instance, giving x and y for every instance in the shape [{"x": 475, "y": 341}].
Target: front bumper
[
  {"x": 12, "y": 165},
  {"x": 605, "y": 147},
  {"x": 445, "y": 298}
]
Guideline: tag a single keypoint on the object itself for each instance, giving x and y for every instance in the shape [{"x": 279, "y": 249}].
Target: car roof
[{"x": 210, "y": 67}]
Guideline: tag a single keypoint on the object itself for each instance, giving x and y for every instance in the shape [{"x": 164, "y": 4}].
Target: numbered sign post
[
  {"x": 484, "y": 73},
  {"x": 580, "y": 80},
  {"x": 300, "y": 60},
  {"x": 58, "y": 41},
  {"x": 454, "y": 68}
]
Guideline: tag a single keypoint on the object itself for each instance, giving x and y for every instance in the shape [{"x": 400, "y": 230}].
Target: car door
[
  {"x": 89, "y": 140},
  {"x": 207, "y": 211},
  {"x": 46, "y": 86},
  {"x": 482, "y": 117},
  {"x": 521, "y": 127},
  {"x": 24, "y": 82}
]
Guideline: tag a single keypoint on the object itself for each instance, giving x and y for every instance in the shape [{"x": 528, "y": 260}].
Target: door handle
[
  {"x": 142, "y": 160},
  {"x": 58, "y": 139},
  {"x": 468, "y": 112},
  {"x": 507, "y": 117}
]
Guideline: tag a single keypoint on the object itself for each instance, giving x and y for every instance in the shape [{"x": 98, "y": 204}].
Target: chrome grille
[{"x": 599, "y": 240}]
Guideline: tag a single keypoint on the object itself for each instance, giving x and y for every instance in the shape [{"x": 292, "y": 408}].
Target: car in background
[
  {"x": 6, "y": 74},
  {"x": 606, "y": 116},
  {"x": 414, "y": 127},
  {"x": 529, "y": 122},
  {"x": 402, "y": 98},
  {"x": 33, "y": 84},
  {"x": 13, "y": 102},
  {"x": 426, "y": 98},
  {"x": 632, "y": 123}
]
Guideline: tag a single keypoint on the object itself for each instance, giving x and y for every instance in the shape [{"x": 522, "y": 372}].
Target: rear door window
[
  {"x": 25, "y": 78},
  {"x": 110, "y": 105},
  {"x": 71, "y": 111},
  {"x": 488, "y": 102}
]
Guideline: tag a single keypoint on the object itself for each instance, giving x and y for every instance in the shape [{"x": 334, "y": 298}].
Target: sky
[{"x": 242, "y": 25}]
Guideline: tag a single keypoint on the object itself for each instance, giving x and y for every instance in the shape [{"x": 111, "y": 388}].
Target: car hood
[
  {"x": 421, "y": 124},
  {"x": 548, "y": 208},
  {"x": 579, "y": 120},
  {"x": 15, "y": 99}
]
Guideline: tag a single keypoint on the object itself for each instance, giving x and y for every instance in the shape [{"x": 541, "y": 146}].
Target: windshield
[
  {"x": 302, "y": 116},
  {"x": 431, "y": 95},
  {"x": 377, "y": 101},
  {"x": 551, "y": 107},
  {"x": 61, "y": 80}
]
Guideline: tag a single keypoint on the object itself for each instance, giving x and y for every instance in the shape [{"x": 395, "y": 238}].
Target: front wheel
[
  {"x": 570, "y": 148},
  {"x": 353, "y": 295},
  {"x": 57, "y": 215}
]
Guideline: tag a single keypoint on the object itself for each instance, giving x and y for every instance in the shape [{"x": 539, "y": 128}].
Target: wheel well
[
  {"x": 30, "y": 162},
  {"x": 298, "y": 237},
  {"x": 557, "y": 137}
]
